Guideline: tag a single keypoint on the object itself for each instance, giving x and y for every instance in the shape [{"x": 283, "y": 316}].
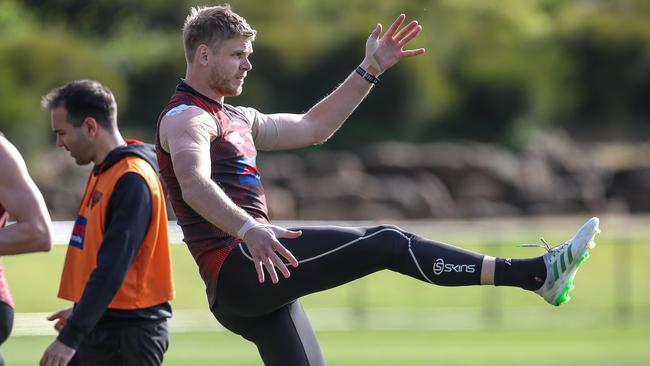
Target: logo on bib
[
  {"x": 79, "y": 232},
  {"x": 247, "y": 169}
]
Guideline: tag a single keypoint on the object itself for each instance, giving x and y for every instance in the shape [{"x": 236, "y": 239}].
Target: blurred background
[{"x": 522, "y": 118}]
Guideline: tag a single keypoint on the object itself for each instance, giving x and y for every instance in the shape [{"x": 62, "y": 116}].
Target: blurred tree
[
  {"x": 494, "y": 70},
  {"x": 33, "y": 62},
  {"x": 609, "y": 45},
  {"x": 105, "y": 17}
]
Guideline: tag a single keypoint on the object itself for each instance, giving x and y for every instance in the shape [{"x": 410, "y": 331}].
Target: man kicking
[{"x": 207, "y": 151}]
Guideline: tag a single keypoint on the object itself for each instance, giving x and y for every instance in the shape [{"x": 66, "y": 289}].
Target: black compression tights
[{"x": 268, "y": 314}]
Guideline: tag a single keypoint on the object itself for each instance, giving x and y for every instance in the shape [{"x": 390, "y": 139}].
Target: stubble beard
[
  {"x": 81, "y": 160},
  {"x": 81, "y": 154},
  {"x": 222, "y": 86}
]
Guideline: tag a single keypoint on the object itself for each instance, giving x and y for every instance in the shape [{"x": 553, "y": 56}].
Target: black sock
[{"x": 528, "y": 274}]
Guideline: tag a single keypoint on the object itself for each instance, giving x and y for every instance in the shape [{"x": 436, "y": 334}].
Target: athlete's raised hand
[
  {"x": 385, "y": 51},
  {"x": 262, "y": 242}
]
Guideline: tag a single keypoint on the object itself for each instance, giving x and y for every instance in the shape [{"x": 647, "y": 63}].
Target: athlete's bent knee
[{"x": 390, "y": 232}]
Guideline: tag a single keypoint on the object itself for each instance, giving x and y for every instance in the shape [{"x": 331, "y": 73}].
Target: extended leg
[{"x": 331, "y": 256}]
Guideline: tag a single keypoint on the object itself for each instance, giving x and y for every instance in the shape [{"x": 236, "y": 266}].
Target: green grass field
[
  {"x": 500, "y": 348},
  {"x": 387, "y": 319}
]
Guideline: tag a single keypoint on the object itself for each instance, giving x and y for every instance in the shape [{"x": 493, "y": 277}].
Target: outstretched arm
[
  {"x": 324, "y": 118},
  {"x": 23, "y": 201}
]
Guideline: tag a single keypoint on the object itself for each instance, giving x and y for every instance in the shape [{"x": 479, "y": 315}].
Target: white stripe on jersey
[{"x": 178, "y": 109}]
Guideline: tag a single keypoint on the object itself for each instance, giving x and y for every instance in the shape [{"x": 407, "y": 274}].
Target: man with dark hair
[
  {"x": 21, "y": 201},
  {"x": 207, "y": 152},
  {"x": 117, "y": 269}
]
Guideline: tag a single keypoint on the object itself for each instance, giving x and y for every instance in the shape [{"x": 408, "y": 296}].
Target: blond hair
[{"x": 210, "y": 25}]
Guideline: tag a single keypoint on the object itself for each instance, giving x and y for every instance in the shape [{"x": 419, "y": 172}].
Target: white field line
[
  {"x": 346, "y": 319},
  {"x": 485, "y": 231}
]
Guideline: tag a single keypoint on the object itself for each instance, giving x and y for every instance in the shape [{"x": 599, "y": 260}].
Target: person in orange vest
[
  {"x": 117, "y": 269},
  {"x": 21, "y": 200}
]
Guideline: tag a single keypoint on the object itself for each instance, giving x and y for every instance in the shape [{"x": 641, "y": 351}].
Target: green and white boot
[{"x": 562, "y": 263}]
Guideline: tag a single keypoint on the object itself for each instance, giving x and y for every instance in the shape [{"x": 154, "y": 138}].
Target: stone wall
[{"x": 395, "y": 180}]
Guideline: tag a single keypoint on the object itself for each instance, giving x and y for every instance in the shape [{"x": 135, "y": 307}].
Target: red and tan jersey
[{"x": 233, "y": 156}]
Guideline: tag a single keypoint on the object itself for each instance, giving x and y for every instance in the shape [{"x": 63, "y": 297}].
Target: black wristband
[{"x": 366, "y": 75}]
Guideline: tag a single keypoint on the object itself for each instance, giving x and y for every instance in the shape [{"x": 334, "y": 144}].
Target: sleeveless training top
[{"x": 233, "y": 156}]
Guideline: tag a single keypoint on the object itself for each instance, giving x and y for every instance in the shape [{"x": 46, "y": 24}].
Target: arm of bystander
[{"x": 20, "y": 197}]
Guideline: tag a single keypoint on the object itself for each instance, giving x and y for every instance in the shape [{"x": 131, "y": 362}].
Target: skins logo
[{"x": 439, "y": 266}]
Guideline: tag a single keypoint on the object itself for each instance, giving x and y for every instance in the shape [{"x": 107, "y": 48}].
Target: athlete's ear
[
  {"x": 90, "y": 126},
  {"x": 202, "y": 54}
]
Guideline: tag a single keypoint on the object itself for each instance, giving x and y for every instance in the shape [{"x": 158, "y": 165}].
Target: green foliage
[
  {"x": 493, "y": 71},
  {"x": 35, "y": 59}
]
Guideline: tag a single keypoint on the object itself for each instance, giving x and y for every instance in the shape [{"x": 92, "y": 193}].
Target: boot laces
[{"x": 545, "y": 245}]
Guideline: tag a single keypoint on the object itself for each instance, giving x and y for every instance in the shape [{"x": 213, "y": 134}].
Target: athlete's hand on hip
[
  {"x": 57, "y": 354},
  {"x": 384, "y": 52},
  {"x": 61, "y": 318},
  {"x": 262, "y": 242}
]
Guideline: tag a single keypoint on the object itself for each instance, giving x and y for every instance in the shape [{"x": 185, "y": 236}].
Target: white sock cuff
[{"x": 487, "y": 270}]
